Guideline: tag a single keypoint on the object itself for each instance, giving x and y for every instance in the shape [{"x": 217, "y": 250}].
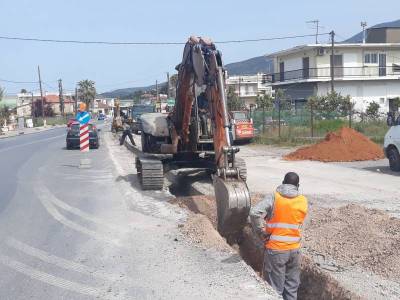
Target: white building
[
  {"x": 367, "y": 71},
  {"x": 248, "y": 87},
  {"x": 26, "y": 101}
]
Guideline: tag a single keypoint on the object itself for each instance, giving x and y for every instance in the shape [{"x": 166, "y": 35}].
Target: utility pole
[
  {"x": 157, "y": 94},
  {"x": 332, "y": 34},
  {"x": 316, "y": 22},
  {"x": 33, "y": 109},
  {"x": 168, "y": 86},
  {"x": 76, "y": 101},
  {"x": 41, "y": 93},
  {"x": 364, "y": 25},
  {"x": 60, "y": 96}
]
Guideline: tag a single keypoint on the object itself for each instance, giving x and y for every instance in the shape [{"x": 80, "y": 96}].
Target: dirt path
[{"x": 330, "y": 184}]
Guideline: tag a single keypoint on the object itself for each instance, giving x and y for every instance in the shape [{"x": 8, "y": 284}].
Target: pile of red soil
[{"x": 345, "y": 144}]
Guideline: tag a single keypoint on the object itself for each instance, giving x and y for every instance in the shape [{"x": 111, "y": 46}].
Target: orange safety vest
[{"x": 284, "y": 226}]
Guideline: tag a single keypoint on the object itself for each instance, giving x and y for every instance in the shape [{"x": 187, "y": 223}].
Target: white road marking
[
  {"x": 50, "y": 279},
  {"x": 31, "y": 143},
  {"x": 60, "y": 262},
  {"x": 52, "y": 210},
  {"x": 45, "y": 192}
]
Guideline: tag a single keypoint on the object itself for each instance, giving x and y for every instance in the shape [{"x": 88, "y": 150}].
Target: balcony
[{"x": 341, "y": 73}]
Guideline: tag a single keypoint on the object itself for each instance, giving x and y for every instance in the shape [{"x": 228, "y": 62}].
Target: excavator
[
  {"x": 181, "y": 139},
  {"x": 116, "y": 124}
]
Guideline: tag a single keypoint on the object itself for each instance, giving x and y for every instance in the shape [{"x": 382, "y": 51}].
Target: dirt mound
[
  {"x": 200, "y": 204},
  {"x": 200, "y": 231},
  {"x": 356, "y": 236},
  {"x": 346, "y": 144}
]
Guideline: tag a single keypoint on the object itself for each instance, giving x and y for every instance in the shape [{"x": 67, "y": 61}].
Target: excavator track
[{"x": 150, "y": 173}]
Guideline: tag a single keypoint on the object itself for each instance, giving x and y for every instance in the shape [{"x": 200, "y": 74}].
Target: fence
[
  {"x": 305, "y": 125},
  {"x": 57, "y": 120}
]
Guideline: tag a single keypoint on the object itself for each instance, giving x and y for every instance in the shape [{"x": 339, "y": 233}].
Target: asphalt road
[{"x": 70, "y": 233}]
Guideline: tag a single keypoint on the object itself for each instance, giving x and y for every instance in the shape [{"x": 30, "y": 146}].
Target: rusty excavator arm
[{"x": 202, "y": 68}]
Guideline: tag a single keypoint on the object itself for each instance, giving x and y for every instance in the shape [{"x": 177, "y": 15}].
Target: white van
[{"x": 392, "y": 147}]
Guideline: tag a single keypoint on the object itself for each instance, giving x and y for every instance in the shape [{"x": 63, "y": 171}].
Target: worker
[
  {"x": 390, "y": 120},
  {"x": 202, "y": 104},
  {"x": 278, "y": 219},
  {"x": 127, "y": 132}
]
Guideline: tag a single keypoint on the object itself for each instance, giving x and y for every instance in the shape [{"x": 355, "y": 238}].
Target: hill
[
  {"x": 358, "y": 38},
  {"x": 259, "y": 64},
  {"x": 253, "y": 65}
]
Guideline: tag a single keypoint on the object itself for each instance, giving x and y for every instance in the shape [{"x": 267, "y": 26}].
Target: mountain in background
[
  {"x": 259, "y": 64},
  {"x": 126, "y": 92},
  {"x": 358, "y": 38}
]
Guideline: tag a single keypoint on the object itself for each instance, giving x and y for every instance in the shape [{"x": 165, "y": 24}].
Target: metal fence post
[
  {"x": 279, "y": 117},
  {"x": 312, "y": 121}
]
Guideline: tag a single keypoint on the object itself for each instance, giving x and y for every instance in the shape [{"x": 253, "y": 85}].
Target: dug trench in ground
[
  {"x": 341, "y": 260},
  {"x": 341, "y": 256},
  {"x": 316, "y": 283}
]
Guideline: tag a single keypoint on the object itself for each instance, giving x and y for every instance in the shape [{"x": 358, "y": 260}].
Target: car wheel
[
  {"x": 68, "y": 146},
  {"x": 394, "y": 159}
]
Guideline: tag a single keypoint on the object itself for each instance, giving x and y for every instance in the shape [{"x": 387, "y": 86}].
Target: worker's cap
[{"x": 82, "y": 106}]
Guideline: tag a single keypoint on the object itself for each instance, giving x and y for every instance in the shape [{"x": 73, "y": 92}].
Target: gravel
[{"x": 356, "y": 237}]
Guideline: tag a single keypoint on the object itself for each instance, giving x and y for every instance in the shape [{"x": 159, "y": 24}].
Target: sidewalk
[{"x": 26, "y": 131}]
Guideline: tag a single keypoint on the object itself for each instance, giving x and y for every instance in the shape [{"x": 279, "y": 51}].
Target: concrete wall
[{"x": 365, "y": 92}]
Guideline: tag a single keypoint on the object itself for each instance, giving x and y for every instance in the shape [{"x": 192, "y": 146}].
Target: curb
[{"x": 21, "y": 133}]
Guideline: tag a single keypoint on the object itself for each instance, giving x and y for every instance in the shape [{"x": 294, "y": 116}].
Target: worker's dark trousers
[
  {"x": 282, "y": 271},
  {"x": 123, "y": 137}
]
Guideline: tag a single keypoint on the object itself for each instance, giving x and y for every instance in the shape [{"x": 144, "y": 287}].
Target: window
[{"x": 371, "y": 58}]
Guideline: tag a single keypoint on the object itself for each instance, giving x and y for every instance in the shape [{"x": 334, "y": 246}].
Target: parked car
[
  {"x": 73, "y": 139},
  {"x": 70, "y": 121}
]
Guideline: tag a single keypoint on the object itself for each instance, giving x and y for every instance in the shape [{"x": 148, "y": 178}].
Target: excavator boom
[
  {"x": 202, "y": 67},
  {"x": 196, "y": 134}
]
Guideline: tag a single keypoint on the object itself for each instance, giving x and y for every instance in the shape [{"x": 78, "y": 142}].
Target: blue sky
[{"x": 113, "y": 67}]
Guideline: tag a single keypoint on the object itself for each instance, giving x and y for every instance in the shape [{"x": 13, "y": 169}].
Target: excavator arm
[{"x": 202, "y": 68}]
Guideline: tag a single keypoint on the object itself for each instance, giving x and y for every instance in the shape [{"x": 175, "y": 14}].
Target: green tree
[
  {"x": 23, "y": 91},
  {"x": 265, "y": 102},
  {"x": 282, "y": 102},
  {"x": 234, "y": 102},
  {"x": 1, "y": 93},
  {"x": 87, "y": 92},
  {"x": 372, "y": 110}
]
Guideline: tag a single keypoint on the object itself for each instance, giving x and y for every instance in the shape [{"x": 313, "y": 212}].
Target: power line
[
  {"x": 18, "y": 82},
  {"x": 152, "y": 43}
]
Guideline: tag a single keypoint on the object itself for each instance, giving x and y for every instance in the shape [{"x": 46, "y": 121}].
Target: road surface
[{"x": 70, "y": 233}]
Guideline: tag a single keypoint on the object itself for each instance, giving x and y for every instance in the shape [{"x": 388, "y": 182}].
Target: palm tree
[{"x": 87, "y": 91}]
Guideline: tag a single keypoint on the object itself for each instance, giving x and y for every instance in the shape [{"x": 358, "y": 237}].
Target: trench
[{"x": 315, "y": 283}]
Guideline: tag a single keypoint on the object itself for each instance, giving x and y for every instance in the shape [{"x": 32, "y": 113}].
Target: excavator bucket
[{"x": 233, "y": 206}]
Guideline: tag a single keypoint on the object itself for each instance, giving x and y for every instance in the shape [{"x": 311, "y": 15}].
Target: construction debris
[
  {"x": 344, "y": 145},
  {"x": 355, "y": 236}
]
